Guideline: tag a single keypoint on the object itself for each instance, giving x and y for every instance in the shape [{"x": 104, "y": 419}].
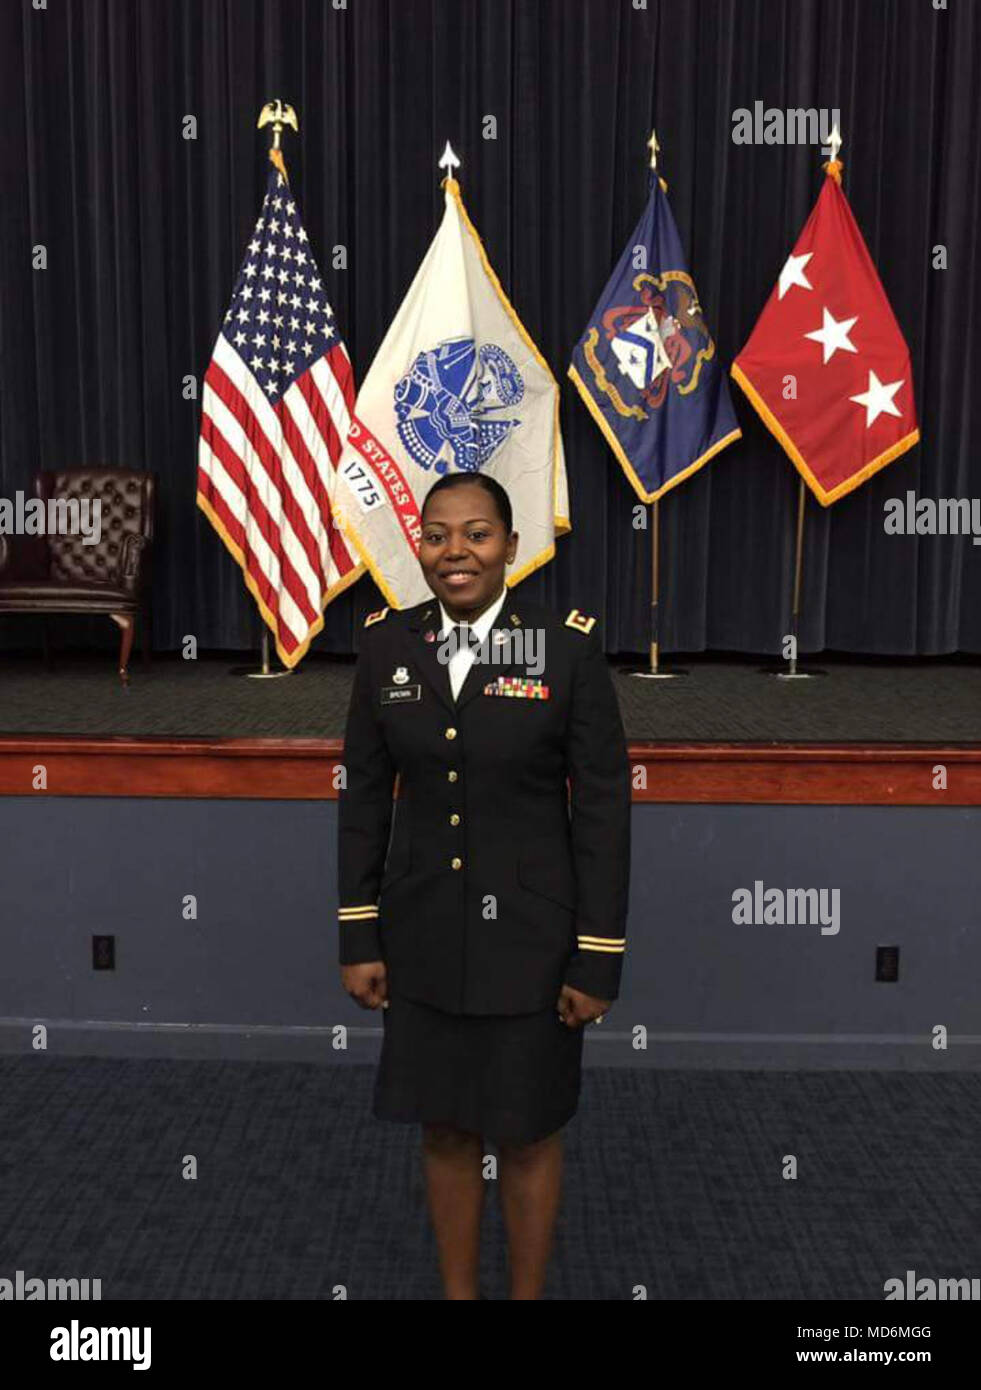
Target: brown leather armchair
[{"x": 59, "y": 573}]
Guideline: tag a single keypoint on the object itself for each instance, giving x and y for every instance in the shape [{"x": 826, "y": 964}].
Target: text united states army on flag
[{"x": 276, "y": 406}]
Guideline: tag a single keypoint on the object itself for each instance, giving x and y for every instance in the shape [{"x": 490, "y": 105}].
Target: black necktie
[{"x": 466, "y": 634}]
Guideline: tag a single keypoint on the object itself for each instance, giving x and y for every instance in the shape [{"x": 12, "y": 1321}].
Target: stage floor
[{"x": 721, "y": 699}]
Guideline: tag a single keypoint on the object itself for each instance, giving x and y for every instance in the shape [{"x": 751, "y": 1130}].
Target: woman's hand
[
  {"x": 367, "y": 983},
  {"x": 576, "y": 1008}
]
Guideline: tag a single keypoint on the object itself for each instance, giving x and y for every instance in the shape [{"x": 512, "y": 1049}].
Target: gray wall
[{"x": 255, "y": 974}]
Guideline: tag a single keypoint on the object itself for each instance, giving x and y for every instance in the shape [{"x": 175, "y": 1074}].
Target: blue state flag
[{"x": 647, "y": 367}]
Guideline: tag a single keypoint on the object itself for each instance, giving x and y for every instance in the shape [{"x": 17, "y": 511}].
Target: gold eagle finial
[{"x": 279, "y": 113}]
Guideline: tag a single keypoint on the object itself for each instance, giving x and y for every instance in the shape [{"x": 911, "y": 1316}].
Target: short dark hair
[{"x": 490, "y": 485}]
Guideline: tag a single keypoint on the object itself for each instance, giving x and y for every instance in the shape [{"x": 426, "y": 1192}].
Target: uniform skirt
[{"x": 512, "y": 1079}]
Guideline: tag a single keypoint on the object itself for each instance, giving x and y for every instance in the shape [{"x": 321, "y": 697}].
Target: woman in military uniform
[{"x": 489, "y": 921}]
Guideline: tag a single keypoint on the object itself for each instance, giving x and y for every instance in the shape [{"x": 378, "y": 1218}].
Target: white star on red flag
[
  {"x": 833, "y": 334},
  {"x": 793, "y": 273},
  {"x": 878, "y": 399}
]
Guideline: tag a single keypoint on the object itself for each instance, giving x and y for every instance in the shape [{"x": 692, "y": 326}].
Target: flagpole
[
  {"x": 653, "y": 672},
  {"x": 278, "y": 114},
  {"x": 655, "y": 575},
  {"x": 792, "y": 673}
]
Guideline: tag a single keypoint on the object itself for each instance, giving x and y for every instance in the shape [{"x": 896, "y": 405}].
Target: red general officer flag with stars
[
  {"x": 275, "y": 411},
  {"x": 828, "y": 326}
]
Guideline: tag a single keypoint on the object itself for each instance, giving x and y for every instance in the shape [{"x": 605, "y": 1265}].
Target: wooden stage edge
[{"x": 842, "y": 774}]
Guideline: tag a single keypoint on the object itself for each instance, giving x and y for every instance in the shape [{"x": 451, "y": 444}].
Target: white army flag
[{"x": 456, "y": 386}]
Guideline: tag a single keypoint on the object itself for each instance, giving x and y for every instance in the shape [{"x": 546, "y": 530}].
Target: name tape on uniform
[{"x": 400, "y": 694}]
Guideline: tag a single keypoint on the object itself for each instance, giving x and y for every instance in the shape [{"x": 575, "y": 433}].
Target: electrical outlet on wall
[
  {"x": 103, "y": 953},
  {"x": 887, "y": 964}
]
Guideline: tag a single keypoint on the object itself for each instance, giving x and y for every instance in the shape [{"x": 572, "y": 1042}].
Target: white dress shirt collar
[{"x": 483, "y": 624}]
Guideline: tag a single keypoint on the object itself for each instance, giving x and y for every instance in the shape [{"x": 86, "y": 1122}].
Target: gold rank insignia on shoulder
[
  {"x": 579, "y": 621},
  {"x": 376, "y": 617}
]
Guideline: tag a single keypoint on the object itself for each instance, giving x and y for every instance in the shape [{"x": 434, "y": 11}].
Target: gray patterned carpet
[
  {"x": 673, "y": 1181},
  {"x": 719, "y": 700}
]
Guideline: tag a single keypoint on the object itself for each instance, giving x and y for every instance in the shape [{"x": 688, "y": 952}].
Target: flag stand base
[
  {"x": 782, "y": 674},
  {"x": 255, "y": 675},
  {"x": 264, "y": 674},
  {"x": 644, "y": 673}
]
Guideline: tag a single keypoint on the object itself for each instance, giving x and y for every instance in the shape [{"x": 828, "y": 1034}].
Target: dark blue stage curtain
[{"x": 145, "y": 231}]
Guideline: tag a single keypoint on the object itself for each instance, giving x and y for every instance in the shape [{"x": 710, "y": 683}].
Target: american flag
[{"x": 277, "y": 400}]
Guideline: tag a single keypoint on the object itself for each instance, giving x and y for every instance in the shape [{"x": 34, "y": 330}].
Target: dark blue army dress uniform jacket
[{"x": 505, "y": 872}]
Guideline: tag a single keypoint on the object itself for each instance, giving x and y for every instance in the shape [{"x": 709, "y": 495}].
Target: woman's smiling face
[{"x": 464, "y": 549}]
